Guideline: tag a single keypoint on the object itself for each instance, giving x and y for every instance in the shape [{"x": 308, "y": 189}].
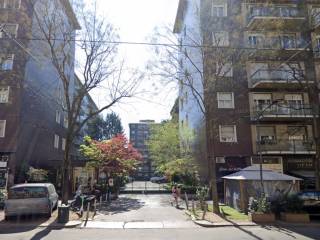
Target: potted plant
[
  {"x": 260, "y": 210},
  {"x": 292, "y": 210}
]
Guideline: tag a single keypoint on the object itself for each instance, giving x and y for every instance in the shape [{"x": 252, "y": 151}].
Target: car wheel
[
  {"x": 7, "y": 218},
  {"x": 49, "y": 214}
]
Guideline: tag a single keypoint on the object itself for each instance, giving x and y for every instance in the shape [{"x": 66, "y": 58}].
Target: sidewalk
[{"x": 217, "y": 221}]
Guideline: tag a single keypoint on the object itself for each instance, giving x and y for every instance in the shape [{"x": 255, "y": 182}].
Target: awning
[{"x": 304, "y": 174}]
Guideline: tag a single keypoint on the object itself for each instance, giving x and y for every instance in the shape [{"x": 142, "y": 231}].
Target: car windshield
[{"x": 27, "y": 192}]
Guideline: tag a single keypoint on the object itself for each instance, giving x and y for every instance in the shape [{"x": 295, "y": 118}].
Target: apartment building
[
  {"x": 32, "y": 120},
  {"x": 139, "y": 133},
  {"x": 259, "y": 72}
]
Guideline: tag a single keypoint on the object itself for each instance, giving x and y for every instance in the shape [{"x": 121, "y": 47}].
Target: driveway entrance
[{"x": 141, "y": 211}]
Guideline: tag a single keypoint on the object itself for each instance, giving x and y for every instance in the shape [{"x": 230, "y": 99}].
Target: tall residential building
[
  {"x": 139, "y": 133},
  {"x": 256, "y": 65},
  {"x": 32, "y": 120}
]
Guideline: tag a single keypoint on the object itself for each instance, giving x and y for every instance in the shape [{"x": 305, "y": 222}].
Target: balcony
[
  {"x": 286, "y": 146},
  {"x": 282, "y": 111},
  {"x": 278, "y": 78},
  {"x": 278, "y": 43},
  {"x": 277, "y": 17}
]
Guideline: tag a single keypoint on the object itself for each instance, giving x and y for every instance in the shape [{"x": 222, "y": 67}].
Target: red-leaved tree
[{"x": 116, "y": 157}]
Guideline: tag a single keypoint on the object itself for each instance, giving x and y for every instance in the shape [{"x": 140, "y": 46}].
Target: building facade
[
  {"x": 257, "y": 71},
  {"x": 139, "y": 133},
  {"x": 32, "y": 120}
]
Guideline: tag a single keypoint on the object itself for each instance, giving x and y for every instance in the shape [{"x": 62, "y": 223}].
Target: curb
[
  {"x": 70, "y": 224},
  {"x": 207, "y": 224}
]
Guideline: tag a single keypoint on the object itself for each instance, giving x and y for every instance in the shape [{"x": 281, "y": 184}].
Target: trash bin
[{"x": 63, "y": 214}]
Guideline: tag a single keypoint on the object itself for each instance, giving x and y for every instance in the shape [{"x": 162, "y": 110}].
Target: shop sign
[{"x": 300, "y": 164}]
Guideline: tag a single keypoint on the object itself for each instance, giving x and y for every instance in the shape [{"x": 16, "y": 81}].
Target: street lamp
[{"x": 257, "y": 118}]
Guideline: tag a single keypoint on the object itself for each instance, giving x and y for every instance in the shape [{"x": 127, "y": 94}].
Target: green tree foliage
[
  {"x": 165, "y": 152},
  {"x": 100, "y": 129}
]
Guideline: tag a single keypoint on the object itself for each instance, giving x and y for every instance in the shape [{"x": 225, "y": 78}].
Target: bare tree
[
  {"x": 201, "y": 63},
  {"x": 98, "y": 65}
]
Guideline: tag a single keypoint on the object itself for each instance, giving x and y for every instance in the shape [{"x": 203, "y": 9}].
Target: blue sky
[{"x": 135, "y": 21}]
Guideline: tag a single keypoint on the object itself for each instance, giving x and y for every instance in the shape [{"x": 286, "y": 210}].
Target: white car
[{"x": 31, "y": 198}]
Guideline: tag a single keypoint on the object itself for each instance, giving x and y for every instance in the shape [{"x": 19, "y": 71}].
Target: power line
[{"x": 164, "y": 44}]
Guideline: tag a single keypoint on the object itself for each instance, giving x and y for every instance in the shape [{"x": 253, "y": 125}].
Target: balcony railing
[
  {"x": 279, "y": 43},
  {"x": 283, "y": 110},
  {"x": 274, "y": 17},
  {"x": 277, "y": 75},
  {"x": 277, "y": 12},
  {"x": 286, "y": 146}
]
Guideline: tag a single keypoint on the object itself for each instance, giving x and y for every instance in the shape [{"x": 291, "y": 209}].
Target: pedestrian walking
[{"x": 175, "y": 195}]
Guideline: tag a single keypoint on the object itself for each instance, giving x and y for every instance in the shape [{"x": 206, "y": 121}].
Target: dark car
[
  {"x": 311, "y": 201},
  {"x": 161, "y": 179}
]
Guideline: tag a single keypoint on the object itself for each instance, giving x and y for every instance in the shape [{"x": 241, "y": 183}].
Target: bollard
[
  {"x": 204, "y": 211},
  {"x": 88, "y": 209},
  {"x": 193, "y": 206},
  {"x": 95, "y": 207},
  {"x": 186, "y": 200},
  {"x": 100, "y": 204}
]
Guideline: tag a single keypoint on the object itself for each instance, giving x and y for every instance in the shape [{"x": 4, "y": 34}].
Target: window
[
  {"x": 225, "y": 100},
  {"x": 220, "y": 160},
  {"x": 63, "y": 144},
  {"x": 266, "y": 134},
  {"x": 220, "y": 38},
  {"x": 262, "y": 101},
  {"x": 4, "y": 94},
  {"x": 256, "y": 40},
  {"x": 2, "y": 128},
  {"x": 219, "y": 10},
  {"x": 58, "y": 116},
  {"x": 224, "y": 69},
  {"x": 288, "y": 41},
  {"x": 65, "y": 121},
  {"x": 56, "y": 141},
  {"x": 6, "y": 62},
  {"x": 10, "y": 29},
  {"x": 13, "y": 4},
  {"x": 228, "y": 133}
]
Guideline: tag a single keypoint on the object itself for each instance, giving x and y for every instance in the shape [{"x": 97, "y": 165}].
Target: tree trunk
[
  {"x": 66, "y": 180},
  {"x": 212, "y": 165}
]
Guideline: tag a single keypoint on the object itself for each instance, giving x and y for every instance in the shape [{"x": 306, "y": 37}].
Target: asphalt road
[
  {"x": 155, "y": 208},
  {"x": 232, "y": 233}
]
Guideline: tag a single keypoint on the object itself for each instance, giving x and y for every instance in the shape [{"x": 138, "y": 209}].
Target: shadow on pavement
[
  {"x": 307, "y": 231},
  {"x": 21, "y": 224},
  {"x": 122, "y": 204}
]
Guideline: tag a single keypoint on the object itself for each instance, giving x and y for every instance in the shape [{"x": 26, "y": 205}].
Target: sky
[{"x": 135, "y": 21}]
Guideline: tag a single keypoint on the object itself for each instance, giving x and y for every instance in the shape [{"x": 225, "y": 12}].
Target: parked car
[
  {"x": 161, "y": 179},
  {"x": 311, "y": 201},
  {"x": 31, "y": 198}
]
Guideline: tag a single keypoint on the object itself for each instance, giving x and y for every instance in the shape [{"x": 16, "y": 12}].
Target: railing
[
  {"x": 316, "y": 19},
  {"x": 283, "y": 110},
  {"x": 286, "y": 145},
  {"x": 281, "y": 12},
  {"x": 278, "y": 43},
  {"x": 275, "y": 75}
]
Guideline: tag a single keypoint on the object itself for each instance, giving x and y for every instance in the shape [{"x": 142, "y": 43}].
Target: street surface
[{"x": 151, "y": 217}]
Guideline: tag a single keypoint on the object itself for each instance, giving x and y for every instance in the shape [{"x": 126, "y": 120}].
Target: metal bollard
[
  {"x": 95, "y": 207},
  {"x": 88, "y": 209},
  {"x": 100, "y": 204},
  {"x": 186, "y": 200},
  {"x": 193, "y": 210}
]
